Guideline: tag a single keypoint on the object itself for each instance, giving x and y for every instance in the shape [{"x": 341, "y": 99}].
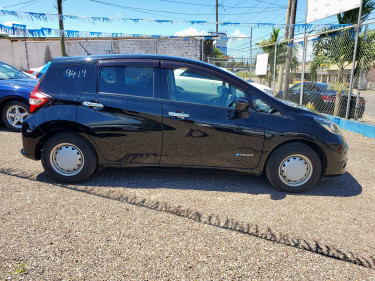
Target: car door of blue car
[
  {"x": 122, "y": 112},
  {"x": 201, "y": 126}
]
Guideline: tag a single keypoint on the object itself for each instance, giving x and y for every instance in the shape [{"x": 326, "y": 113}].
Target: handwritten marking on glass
[{"x": 75, "y": 74}]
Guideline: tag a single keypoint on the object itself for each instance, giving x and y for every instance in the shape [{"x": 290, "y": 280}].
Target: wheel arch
[
  {"x": 7, "y": 99},
  {"x": 64, "y": 129},
  {"x": 314, "y": 146}
]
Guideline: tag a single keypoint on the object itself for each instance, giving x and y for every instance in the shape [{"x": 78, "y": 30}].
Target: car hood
[{"x": 24, "y": 84}]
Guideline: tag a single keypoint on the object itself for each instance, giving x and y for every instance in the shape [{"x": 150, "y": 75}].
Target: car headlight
[{"x": 330, "y": 126}]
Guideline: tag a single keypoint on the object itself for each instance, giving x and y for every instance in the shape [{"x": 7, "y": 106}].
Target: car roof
[
  {"x": 121, "y": 56},
  {"x": 94, "y": 58},
  {"x": 317, "y": 83}
]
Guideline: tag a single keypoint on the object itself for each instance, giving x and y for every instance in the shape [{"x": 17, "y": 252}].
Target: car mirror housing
[{"x": 242, "y": 105}]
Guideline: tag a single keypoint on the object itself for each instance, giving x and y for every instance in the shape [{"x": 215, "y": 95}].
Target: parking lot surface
[{"x": 183, "y": 224}]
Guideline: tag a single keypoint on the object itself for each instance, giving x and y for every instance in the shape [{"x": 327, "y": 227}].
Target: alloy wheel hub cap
[{"x": 16, "y": 115}]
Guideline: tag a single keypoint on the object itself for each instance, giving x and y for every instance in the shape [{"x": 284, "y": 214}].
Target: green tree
[
  {"x": 336, "y": 49},
  {"x": 267, "y": 47}
]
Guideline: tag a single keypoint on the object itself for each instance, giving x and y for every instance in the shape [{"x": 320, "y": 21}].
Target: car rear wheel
[
  {"x": 67, "y": 157},
  {"x": 293, "y": 167},
  {"x": 13, "y": 115}
]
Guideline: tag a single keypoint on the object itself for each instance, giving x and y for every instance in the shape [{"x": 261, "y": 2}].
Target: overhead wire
[{"x": 152, "y": 10}]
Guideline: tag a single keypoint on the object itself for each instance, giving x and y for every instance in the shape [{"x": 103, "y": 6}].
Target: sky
[{"x": 248, "y": 11}]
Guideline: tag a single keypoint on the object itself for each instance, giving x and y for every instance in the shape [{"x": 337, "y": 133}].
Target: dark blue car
[
  {"x": 323, "y": 98},
  {"x": 15, "y": 90}
]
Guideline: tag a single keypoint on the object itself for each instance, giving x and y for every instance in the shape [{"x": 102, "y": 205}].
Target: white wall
[{"x": 40, "y": 51}]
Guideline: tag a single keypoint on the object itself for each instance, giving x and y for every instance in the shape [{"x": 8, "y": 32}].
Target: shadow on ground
[{"x": 210, "y": 180}]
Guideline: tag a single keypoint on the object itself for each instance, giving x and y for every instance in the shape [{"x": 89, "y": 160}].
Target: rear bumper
[{"x": 30, "y": 140}]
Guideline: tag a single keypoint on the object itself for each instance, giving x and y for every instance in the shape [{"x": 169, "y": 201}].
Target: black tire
[
  {"x": 77, "y": 151},
  {"x": 11, "y": 108},
  {"x": 297, "y": 159}
]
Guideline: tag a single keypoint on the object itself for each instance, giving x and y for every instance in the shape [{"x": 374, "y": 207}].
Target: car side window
[
  {"x": 188, "y": 85},
  {"x": 260, "y": 105},
  {"x": 310, "y": 87},
  {"x": 134, "y": 81}
]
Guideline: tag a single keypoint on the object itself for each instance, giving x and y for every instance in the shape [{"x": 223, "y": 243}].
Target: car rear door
[
  {"x": 122, "y": 111},
  {"x": 200, "y": 128}
]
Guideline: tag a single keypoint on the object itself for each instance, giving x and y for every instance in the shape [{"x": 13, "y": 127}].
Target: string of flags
[
  {"x": 49, "y": 16},
  {"x": 19, "y": 30}
]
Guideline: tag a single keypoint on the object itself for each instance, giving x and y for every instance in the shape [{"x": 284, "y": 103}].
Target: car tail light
[
  {"x": 30, "y": 71},
  {"x": 362, "y": 102},
  {"x": 37, "y": 99},
  {"x": 329, "y": 98}
]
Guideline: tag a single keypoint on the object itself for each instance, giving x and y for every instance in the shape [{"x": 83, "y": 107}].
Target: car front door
[
  {"x": 201, "y": 126},
  {"x": 122, "y": 111}
]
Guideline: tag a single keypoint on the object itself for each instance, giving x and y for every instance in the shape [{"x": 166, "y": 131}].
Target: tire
[
  {"x": 14, "y": 113},
  {"x": 293, "y": 167},
  {"x": 69, "y": 158}
]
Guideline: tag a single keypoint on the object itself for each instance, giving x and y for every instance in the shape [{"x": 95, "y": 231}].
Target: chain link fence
[{"x": 328, "y": 72}]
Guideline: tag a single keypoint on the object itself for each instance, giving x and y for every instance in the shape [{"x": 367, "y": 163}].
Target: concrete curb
[{"x": 354, "y": 126}]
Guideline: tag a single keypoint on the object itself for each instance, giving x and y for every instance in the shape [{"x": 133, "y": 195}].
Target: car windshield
[{"x": 8, "y": 72}]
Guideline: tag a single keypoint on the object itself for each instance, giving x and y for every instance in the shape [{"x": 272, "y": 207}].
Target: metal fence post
[
  {"x": 202, "y": 49},
  {"x": 303, "y": 66},
  {"x": 354, "y": 59},
  {"x": 274, "y": 70},
  {"x": 111, "y": 44}
]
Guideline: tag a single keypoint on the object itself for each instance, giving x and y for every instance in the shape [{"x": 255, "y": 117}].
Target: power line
[
  {"x": 209, "y": 5},
  {"x": 21, "y": 3},
  {"x": 161, "y": 11}
]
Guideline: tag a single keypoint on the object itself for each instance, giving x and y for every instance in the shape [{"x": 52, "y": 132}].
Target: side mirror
[{"x": 242, "y": 105}]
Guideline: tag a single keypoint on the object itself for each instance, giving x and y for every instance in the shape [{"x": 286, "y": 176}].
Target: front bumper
[{"x": 337, "y": 158}]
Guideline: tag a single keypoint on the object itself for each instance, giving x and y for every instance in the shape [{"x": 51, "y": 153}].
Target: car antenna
[{"x": 88, "y": 54}]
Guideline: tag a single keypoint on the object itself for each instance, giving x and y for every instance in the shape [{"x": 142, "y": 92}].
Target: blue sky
[{"x": 252, "y": 11}]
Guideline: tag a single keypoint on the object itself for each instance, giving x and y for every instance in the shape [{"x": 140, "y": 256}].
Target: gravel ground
[{"x": 152, "y": 224}]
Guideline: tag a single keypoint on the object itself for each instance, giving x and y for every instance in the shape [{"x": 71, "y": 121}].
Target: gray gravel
[{"x": 159, "y": 224}]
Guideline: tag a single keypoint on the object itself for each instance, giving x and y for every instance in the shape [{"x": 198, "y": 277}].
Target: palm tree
[
  {"x": 269, "y": 47},
  {"x": 336, "y": 49}
]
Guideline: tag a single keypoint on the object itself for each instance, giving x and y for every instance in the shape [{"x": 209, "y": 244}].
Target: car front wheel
[
  {"x": 67, "y": 157},
  {"x": 13, "y": 115},
  {"x": 293, "y": 167}
]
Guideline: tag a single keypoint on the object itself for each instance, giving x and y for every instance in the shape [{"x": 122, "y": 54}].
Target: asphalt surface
[{"x": 164, "y": 224}]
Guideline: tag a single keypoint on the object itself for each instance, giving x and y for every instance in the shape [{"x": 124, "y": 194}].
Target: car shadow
[
  {"x": 215, "y": 181},
  {"x": 210, "y": 180}
]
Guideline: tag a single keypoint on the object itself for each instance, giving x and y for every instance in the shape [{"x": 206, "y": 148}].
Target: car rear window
[
  {"x": 134, "y": 81},
  {"x": 76, "y": 75}
]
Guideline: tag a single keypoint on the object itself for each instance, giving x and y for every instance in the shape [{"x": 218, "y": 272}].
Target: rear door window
[
  {"x": 134, "y": 81},
  {"x": 76, "y": 75}
]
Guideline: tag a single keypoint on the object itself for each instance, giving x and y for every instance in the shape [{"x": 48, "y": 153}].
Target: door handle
[
  {"x": 93, "y": 104},
  {"x": 178, "y": 115}
]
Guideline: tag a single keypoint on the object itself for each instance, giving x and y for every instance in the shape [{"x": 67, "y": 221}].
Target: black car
[
  {"x": 323, "y": 98},
  {"x": 148, "y": 110}
]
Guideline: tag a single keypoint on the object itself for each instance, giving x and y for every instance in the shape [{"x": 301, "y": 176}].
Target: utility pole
[
  {"x": 61, "y": 27},
  {"x": 217, "y": 18},
  {"x": 289, "y": 52},
  {"x": 286, "y": 33}
]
